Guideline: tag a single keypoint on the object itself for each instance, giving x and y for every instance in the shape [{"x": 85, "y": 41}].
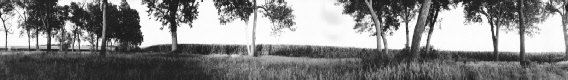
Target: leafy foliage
[
  {"x": 277, "y": 11},
  {"x": 229, "y": 10},
  {"x": 162, "y": 11},
  {"x": 388, "y": 12},
  {"x": 124, "y": 25},
  {"x": 504, "y": 11}
]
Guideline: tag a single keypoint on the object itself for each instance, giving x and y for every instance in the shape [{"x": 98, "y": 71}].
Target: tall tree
[
  {"x": 6, "y": 13},
  {"x": 79, "y": 17},
  {"x": 560, "y": 7},
  {"x": 166, "y": 11},
  {"x": 424, "y": 10},
  {"x": 49, "y": 15},
  {"x": 277, "y": 11},
  {"x": 64, "y": 13},
  {"x": 521, "y": 32},
  {"x": 126, "y": 30},
  {"x": 23, "y": 17},
  {"x": 104, "y": 45}
]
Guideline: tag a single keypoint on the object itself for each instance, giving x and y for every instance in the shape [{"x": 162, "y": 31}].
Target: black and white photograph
[{"x": 283, "y": 40}]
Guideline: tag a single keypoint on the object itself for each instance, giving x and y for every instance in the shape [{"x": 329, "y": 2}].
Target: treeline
[{"x": 47, "y": 18}]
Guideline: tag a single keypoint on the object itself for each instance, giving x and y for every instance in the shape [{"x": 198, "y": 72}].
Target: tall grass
[
  {"x": 349, "y": 52},
  {"x": 183, "y": 67}
]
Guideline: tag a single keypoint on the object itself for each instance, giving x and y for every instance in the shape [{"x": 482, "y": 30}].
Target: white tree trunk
[
  {"x": 377, "y": 24},
  {"x": 253, "y": 46}
]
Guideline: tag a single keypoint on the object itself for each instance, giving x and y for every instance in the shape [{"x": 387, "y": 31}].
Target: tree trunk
[
  {"x": 97, "y": 44},
  {"x": 173, "y": 26},
  {"x": 522, "y": 33},
  {"x": 564, "y": 31},
  {"x": 419, "y": 29},
  {"x": 48, "y": 36},
  {"x": 377, "y": 25},
  {"x": 407, "y": 45},
  {"x": 565, "y": 34},
  {"x": 37, "y": 39},
  {"x": 5, "y": 31},
  {"x": 73, "y": 41},
  {"x": 253, "y": 46},
  {"x": 494, "y": 40},
  {"x": 429, "y": 38},
  {"x": 79, "y": 44},
  {"x": 431, "y": 30},
  {"x": 6, "y": 45},
  {"x": 29, "y": 40},
  {"x": 62, "y": 39},
  {"x": 104, "y": 45},
  {"x": 386, "y": 50}
]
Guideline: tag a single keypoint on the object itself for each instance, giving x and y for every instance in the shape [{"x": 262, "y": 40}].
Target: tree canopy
[
  {"x": 277, "y": 11},
  {"x": 388, "y": 12}
]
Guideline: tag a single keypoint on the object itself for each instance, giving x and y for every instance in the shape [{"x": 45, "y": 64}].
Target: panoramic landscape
[{"x": 284, "y": 40}]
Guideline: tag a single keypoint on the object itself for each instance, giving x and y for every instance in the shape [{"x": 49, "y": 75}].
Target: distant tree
[
  {"x": 384, "y": 14},
  {"x": 170, "y": 12},
  {"x": 560, "y": 7},
  {"x": 48, "y": 14},
  {"x": 498, "y": 13},
  {"x": 127, "y": 29},
  {"x": 36, "y": 23},
  {"x": 277, "y": 11},
  {"x": 123, "y": 24},
  {"x": 424, "y": 10},
  {"x": 6, "y": 13},
  {"x": 22, "y": 4},
  {"x": 79, "y": 17},
  {"x": 64, "y": 13}
]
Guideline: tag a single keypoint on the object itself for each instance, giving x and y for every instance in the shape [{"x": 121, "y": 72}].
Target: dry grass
[{"x": 190, "y": 66}]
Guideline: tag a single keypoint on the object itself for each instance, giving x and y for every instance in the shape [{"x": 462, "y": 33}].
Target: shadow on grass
[{"x": 98, "y": 68}]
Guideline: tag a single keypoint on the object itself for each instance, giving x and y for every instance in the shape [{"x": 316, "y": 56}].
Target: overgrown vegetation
[
  {"x": 190, "y": 66},
  {"x": 351, "y": 52}
]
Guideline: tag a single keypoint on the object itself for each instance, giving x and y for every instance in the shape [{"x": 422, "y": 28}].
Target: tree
[
  {"x": 383, "y": 16},
  {"x": 166, "y": 11},
  {"x": 425, "y": 8},
  {"x": 497, "y": 12},
  {"x": 64, "y": 12},
  {"x": 521, "y": 32},
  {"x": 79, "y": 17},
  {"x": 124, "y": 24},
  {"x": 409, "y": 11},
  {"x": 23, "y": 4},
  {"x": 530, "y": 12},
  {"x": 6, "y": 13},
  {"x": 127, "y": 29},
  {"x": 48, "y": 14},
  {"x": 560, "y": 7},
  {"x": 103, "y": 46},
  {"x": 436, "y": 7},
  {"x": 277, "y": 11}
]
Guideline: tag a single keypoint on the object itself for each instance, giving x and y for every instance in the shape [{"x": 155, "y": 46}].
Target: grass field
[
  {"x": 156, "y": 65},
  {"x": 348, "y": 52}
]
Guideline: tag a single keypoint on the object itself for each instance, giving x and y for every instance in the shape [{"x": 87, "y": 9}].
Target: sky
[{"x": 321, "y": 22}]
